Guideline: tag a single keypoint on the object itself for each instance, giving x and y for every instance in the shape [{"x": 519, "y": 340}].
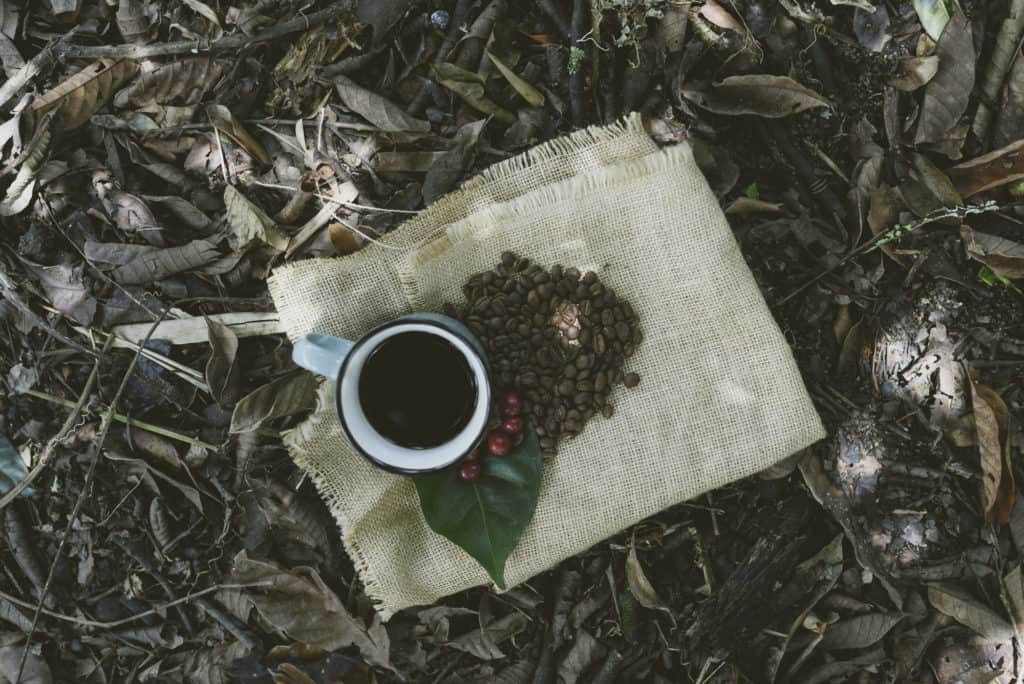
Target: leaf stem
[{"x": 142, "y": 425}]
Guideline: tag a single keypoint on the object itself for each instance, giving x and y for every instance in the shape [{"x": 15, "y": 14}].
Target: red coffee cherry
[
  {"x": 470, "y": 471},
  {"x": 510, "y": 404},
  {"x": 513, "y": 425},
  {"x": 499, "y": 443}
]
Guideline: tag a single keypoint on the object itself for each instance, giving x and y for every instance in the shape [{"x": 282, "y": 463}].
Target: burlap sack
[{"x": 720, "y": 396}]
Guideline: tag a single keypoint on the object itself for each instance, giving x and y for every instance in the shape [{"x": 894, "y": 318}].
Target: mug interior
[{"x": 383, "y": 451}]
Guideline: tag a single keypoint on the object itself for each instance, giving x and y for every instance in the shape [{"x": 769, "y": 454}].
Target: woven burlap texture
[{"x": 720, "y": 396}]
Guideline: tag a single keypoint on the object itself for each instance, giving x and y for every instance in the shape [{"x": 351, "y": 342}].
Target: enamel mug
[{"x": 344, "y": 362}]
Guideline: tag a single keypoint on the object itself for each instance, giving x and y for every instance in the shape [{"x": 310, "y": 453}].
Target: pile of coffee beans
[{"x": 558, "y": 337}]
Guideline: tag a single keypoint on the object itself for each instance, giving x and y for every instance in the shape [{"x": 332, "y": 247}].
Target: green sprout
[
  {"x": 991, "y": 278},
  {"x": 576, "y": 55}
]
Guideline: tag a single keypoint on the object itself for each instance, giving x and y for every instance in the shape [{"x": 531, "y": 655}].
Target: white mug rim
[{"x": 378, "y": 449}]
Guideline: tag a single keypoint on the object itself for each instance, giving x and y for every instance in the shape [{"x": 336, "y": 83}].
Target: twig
[
  {"x": 895, "y": 233},
  {"x": 51, "y": 446},
  {"x": 43, "y": 60},
  {"x": 580, "y": 16},
  {"x": 235, "y": 41},
  {"x": 134, "y": 422},
  {"x": 114, "y": 624},
  {"x": 89, "y": 476}
]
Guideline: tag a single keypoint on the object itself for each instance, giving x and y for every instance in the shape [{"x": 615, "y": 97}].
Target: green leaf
[
  {"x": 487, "y": 517},
  {"x": 752, "y": 192},
  {"x": 991, "y": 278},
  {"x": 934, "y": 14},
  {"x": 12, "y": 468}
]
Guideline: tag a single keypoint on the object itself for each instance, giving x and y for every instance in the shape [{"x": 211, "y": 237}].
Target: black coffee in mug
[{"x": 417, "y": 390}]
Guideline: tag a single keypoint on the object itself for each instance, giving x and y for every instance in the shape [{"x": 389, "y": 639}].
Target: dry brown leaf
[
  {"x": 469, "y": 86},
  {"x": 859, "y": 631},
  {"x": 641, "y": 588},
  {"x": 915, "y": 72},
  {"x": 757, "y": 94},
  {"x": 134, "y": 22},
  {"x": 222, "y": 373},
  {"x": 485, "y": 646},
  {"x": 521, "y": 85},
  {"x": 988, "y": 171},
  {"x": 965, "y": 609},
  {"x": 1004, "y": 257},
  {"x": 210, "y": 665},
  {"x": 248, "y": 223},
  {"x": 991, "y": 421},
  {"x": 285, "y": 396},
  {"x": 65, "y": 286},
  {"x": 225, "y": 122},
  {"x": 78, "y": 98},
  {"x": 299, "y": 604},
  {"x": 381, "y": 112},
  {"x": 586, "y": 651},
  {"x": 449, "y": 169},
  {"x": 157, "y": 264},
  {"x": 182, "y": 82},
  {"x": 947, "y": 94},
  {"x": 35, "y": 671},
  {"x": 19, "y": 193}
]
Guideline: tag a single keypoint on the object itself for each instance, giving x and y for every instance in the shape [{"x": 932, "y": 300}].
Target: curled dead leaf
[
  {"x": 299, "y": 604},
  {"x": 285, "y": 396},
  {"x": 80, "y": 96},
  {"x": 248, "y": 223},
  {"x": 182, "y": 82},
  {"x": 988, "y": 171},
  {"x": 991, "y": 423},
  {"x": 968, "y": 611},
  {"x": 378, "y": 110},
  {"x": 946, "y": 96},
  {"x": 1005, "y": 257},
  {"x": 758, "y": 94}
]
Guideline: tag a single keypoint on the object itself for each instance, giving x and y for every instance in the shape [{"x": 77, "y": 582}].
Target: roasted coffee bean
[
  {"x": 546, "y": 443},
  {"x": 608, "y": 411},
  {"x": 631, "y": 380},
  {"x": 638, "y": 337},
  {"x": 557, "y": 335}
]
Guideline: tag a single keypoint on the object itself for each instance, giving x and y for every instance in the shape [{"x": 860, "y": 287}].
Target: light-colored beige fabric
[{"x": 720, "y": 396}]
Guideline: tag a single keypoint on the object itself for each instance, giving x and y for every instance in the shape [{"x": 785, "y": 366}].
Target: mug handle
[{"x": 321, "y": 354}]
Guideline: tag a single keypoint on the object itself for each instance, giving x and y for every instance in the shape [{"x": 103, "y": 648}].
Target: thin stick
[
  {"x": 134, "y": 422},
  {"x": 132, "y": 618},
  {"x": 895, "y": 233},
  {"x": 86, "y": 486},
  {"x": 51, "y": 446},
  {"x": 235, "y": 41}
]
